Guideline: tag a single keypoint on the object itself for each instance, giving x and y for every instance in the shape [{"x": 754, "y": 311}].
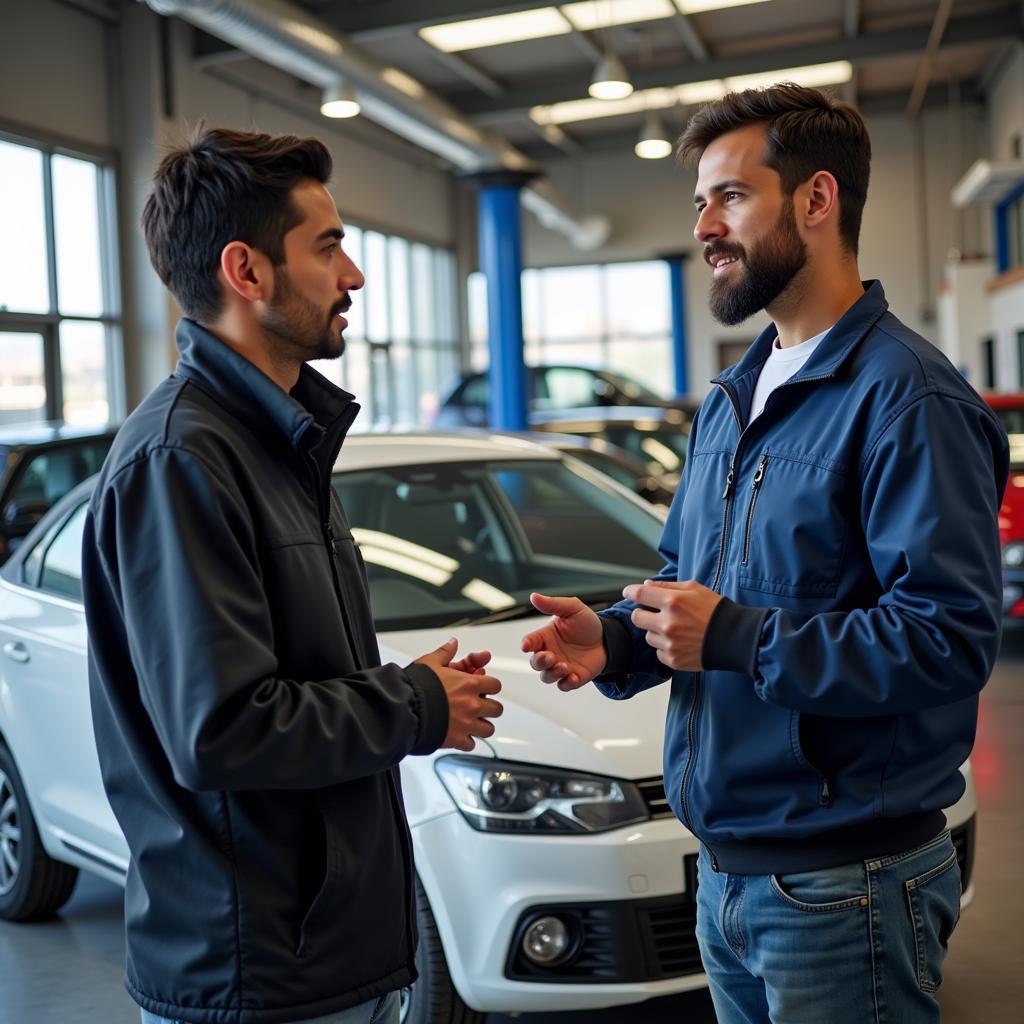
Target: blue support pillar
[
  {"x": 500, "y": 240},
  {"x": 676, "y": 262}
]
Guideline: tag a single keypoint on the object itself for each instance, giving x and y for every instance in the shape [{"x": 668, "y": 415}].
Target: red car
[{"x": 1010, "y": 409}]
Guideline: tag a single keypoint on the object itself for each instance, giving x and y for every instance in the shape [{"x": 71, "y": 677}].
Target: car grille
[
  {"x": 653, "y": 792},
  {"x": 620, "y": 942}
]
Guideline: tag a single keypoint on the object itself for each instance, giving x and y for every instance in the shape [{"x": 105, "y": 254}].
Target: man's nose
[
  {"x": 708, "y": 226},
  {"x": 351, "y": 278}
]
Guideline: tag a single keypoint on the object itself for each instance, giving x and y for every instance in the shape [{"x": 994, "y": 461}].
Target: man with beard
[
  {"x": 830, "y": 602},
  {"x": 249, "y": 737}
]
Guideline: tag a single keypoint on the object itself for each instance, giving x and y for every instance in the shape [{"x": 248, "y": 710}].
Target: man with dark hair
[
  {"x": 248, "y": 735},
  {"x": 830, "y": 602}
]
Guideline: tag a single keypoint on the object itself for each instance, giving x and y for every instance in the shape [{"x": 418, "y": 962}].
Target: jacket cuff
[
  {"x": 733, "y": 637},
  {"x": 431, "y": 706},
  {"x": 618, "y": 646}
]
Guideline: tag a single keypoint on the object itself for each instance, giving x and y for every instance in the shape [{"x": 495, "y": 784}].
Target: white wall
[
  {"x": 1006, "y": 105},
  {"x": 54, "y": 64}
]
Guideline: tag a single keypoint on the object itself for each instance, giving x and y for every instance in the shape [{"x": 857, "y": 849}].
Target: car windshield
[
  {"x": 634, "y": 389},
  {"x": 1013, "y": 422},
  {"x": 456, "y": 543}
]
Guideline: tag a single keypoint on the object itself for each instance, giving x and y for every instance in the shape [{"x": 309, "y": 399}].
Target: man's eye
[
  {"x": 730, "y": 195},
  {"x": 330, "y": 249}
]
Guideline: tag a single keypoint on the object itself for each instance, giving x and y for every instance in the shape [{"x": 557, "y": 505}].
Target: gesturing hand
[
  {"x": 469, "y": 692},
  {"x": 676, "y": 617},
  {"x": 569, "y": 650}
]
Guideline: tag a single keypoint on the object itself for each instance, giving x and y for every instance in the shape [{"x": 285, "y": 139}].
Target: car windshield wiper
[{"x": 516, "y": 611}]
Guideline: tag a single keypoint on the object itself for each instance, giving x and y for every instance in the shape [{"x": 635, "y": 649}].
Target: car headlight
[
  {"x": 500, "y": 796},
  {"x": 1013, "y": 555}
]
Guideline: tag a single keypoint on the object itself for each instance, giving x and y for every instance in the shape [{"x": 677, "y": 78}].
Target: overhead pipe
[{"x": 287, "y": 37}]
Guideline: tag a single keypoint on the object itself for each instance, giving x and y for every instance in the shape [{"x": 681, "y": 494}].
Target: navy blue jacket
[
  {"x": 852, "y": 529},
  {"x": 247, "y": 733}
]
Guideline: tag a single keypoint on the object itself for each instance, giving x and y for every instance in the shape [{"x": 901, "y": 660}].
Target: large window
[
  {"x": 60, "y": 327},
  {"x": 615, "y": 316},
  {"x": 402, "y": 339}
]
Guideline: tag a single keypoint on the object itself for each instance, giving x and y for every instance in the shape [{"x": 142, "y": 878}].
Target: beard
[
  {"x": 301, "y": 326},
  {"x": 767, "y": 270}
]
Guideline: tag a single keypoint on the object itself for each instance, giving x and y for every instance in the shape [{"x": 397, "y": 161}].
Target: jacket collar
[
  {"x": 314, "y": 412},
  {"x": 834, "y": 348}
]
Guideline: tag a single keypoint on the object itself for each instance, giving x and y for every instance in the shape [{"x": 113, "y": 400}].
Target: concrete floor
[{"x": 68, "y": 970}]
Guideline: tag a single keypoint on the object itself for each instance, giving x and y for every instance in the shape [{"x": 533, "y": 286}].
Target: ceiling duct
[{"x": 287, "y": 37}]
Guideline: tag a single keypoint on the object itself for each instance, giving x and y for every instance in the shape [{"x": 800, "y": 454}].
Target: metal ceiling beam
[
  {"x": 466, "y": 69},
  {"x": 999, "y": 25},
  {"x": 695, "y": 46},
  {"x": 924, "y": 69}
]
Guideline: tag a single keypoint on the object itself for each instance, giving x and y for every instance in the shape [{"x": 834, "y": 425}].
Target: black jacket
[{"x": 247, "y": 734}]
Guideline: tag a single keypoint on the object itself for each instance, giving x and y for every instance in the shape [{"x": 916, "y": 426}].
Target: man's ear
[
  {"x": 821, "y": 198},
  {"x": 247, "y": 272}
]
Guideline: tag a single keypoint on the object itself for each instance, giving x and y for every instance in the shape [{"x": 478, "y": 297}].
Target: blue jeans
[
  {"x": 857, "y": 944},
  {"x": 383, "y": 1010}
]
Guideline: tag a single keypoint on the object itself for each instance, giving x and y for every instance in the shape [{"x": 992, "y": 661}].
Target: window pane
[
  {"x": 330, "y": 368},
  {"x": 83, "y": 363},
  {"x": 375, "y": 256},
  {"x": 22, "y": 384},
  {"x": 573, "y": 304},
  {"x": 24, "y": 282},
  {"x": 398, "y": 287},
  {"x": 532, "y": 305},
  {"x": 356, "y": 316},
  {"x": 477, "y": 295},
  {"x": 76, "y": 220},
  {"x": 404, "y": 375},
  {"x": 430, "y": 374},
  {"x": 638, "y": 298},
  {"x": 424, "y": 327},
  {"x": 647, "y": 360},
  {"x": 355, "y": 377},
  {"x": 444, "y": 296},
  {"x": 62, "y": 564}
]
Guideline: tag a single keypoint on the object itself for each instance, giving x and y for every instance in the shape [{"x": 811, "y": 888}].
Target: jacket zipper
[
  {"x": 755, "y": 487},
  {"x": 691, "y": 723}
]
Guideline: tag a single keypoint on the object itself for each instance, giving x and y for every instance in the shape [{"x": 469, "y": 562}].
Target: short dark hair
[
  {"x": 224, "y": 186},
  {"x": 807, "y": 131}
]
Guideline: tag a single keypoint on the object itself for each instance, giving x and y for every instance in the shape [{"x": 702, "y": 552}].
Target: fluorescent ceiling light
[
  {"x": 812, "y": 76},
  {"x": 596, "y": 14},
  {"x": 689, "y": 94},
  {"x": 696, "y": 6},
  {"x": 501, "y": 28}
]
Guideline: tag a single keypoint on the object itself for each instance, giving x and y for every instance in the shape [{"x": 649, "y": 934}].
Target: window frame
[{"x": 49, "y": 324}]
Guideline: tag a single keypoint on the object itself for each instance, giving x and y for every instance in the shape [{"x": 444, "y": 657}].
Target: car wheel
[
  {"x": 433, "y": 999},
  {"x": 32, "y": 884}
]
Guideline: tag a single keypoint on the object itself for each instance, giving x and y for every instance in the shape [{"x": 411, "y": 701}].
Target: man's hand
[
  {"x": 569, "y": 650},
  {"x": 468, "y": 689},
  {"x": 676, "y": 617}
]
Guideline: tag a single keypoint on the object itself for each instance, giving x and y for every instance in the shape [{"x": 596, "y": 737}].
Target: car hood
[{"x": 582, "y": 730}]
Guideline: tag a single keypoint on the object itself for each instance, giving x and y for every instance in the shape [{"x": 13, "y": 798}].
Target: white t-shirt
[{"x": 782, "y": 364}]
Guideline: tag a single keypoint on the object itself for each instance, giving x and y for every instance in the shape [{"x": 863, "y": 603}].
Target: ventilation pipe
[{"x": 285, "y": 36}]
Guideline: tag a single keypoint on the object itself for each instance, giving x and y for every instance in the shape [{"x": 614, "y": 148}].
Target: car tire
[
  {"x": 32, "y": 884},
  {"x": 433, "y": 999}
]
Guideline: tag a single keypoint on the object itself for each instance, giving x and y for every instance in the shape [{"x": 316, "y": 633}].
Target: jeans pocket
[
  {"x": 824, "y": 891},
  {"x": 934, "y": 902}
]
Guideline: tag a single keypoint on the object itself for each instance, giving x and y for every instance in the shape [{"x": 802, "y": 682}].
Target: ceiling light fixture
[
  {"x": 653, "y": 143},
  {"x": 339, "y": 101},
  {"x": 591, "y": 14},
  {"x": 496, "y": 30},
  {"x": 696, "y": 6},
  {"x": 611, "y": 79}
]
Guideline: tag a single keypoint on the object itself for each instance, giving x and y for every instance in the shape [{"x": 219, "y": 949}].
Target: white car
[{"x": 552, "y": 874}]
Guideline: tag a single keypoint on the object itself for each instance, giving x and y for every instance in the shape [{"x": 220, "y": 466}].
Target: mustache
[
  {"x": 713, "y": 251},
  {"x": 341, "y": 307}
]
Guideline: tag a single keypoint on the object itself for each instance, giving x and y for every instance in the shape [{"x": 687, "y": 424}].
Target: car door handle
[{"x": 17, "y": 652}]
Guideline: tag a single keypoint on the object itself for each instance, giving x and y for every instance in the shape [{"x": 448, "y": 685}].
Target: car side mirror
[{"x": 21, "y": 516}]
